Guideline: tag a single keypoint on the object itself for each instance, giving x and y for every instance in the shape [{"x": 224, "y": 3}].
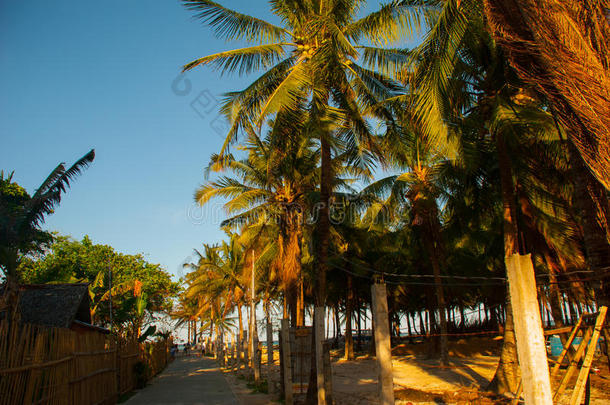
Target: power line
[{"x": 455, "y": 277}]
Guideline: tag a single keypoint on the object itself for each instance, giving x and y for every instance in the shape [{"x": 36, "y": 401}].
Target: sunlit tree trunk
[
  {"x": 240, "y": 322},
  {"x": 326, "y": 180},
  {"x": 433, "y": 252},
  {"x": 508, "y": 373},
  {"x": 349, "y": 340}
]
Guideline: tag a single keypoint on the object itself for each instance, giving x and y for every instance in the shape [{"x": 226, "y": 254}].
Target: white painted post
[
  {"x": 319, "y": 338},
  {"x": 382, "y": 343},
  {"x": 286, "y": 360},
  {"x": 528, "y": 330}
]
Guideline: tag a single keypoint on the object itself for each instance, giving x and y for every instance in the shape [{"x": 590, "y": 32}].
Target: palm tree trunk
[
  {"x": 349, "y": 340},
  {"x": 359, "y": 323},
  {"x": 241, "y": 324},
  {"x": 508, "y": 373},
  {"x": 440, "y": 297},
  {"x": 301, "y": 304},
  {"x": 326, "y": 179}
]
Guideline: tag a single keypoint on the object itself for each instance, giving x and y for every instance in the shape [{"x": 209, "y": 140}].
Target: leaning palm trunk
[
  {"x": 561, "y": 47},
  {"x": 508, "y": 373}
]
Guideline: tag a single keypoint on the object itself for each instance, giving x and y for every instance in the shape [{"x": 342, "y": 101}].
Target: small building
[{"x": 58, "y": 306}]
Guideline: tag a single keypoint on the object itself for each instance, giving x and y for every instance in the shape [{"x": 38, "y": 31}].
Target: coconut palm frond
[{"x": 231, "y": 25}]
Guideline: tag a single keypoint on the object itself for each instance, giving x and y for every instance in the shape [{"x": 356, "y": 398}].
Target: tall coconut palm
[
  {"x": 217, "y": 282},
  {"x": 460, "y": 72},
  {"x": 270, "y": 194},
  {"x": 419, "y": 160},
  {"x": 561, "y": 48},
  {"x": 315, "y": 56}
]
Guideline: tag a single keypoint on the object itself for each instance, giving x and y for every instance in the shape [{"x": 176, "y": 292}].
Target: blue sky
[{"x": 78, "y": 75}]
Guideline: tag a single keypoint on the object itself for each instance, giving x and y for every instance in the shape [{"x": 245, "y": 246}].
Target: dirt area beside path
[{"x": 420, "y": 380}]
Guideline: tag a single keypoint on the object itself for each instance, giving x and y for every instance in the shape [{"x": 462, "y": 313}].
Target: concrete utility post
[
  {"x": 383, "y": 345},
  {"x": 528, "y": 331}
]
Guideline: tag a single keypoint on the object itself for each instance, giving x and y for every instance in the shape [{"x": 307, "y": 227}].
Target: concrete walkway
[{"x": 187, "y": 381}]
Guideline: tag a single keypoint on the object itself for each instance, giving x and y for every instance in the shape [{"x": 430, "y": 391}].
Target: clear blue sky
[{"x": 76, "y": 75}]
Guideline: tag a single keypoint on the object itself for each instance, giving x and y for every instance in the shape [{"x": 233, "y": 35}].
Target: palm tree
[
  {"x": 420, "y": 160},
  {"x": 21, "y": 217},
  {"x": 462, "y": 83},
  {"x": 562, "y": 49},
  {"x": 314, "y": 56},
  {"x": 217, "y": 282},
  {"x": 268, "y": 198}
]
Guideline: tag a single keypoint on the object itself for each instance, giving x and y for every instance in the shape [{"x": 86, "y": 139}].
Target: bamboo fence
[{"x": 60, "y": 366}]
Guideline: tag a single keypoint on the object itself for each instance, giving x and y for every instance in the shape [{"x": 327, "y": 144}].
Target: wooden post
[
  {"x": 529, "y": 334},
  {"x": 270, "y": 385},
  {"x": 319, "y": 339},
  {"x": 383, "y": 347},
  {"x": 583, "y": 376},
  {"x": 286, "y": 362}
]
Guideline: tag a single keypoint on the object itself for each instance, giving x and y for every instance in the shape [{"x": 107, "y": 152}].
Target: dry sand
[{"x": 419, "y": 380}]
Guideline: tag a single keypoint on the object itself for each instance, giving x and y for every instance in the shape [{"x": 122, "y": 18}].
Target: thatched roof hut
[{"x": 56, "y": 305}]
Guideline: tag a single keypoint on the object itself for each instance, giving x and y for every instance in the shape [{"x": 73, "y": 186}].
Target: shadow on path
[{"x": 188, "y": 381}]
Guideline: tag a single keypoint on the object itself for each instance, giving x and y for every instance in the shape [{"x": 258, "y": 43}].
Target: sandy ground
[{"x": 419, "y": 380}]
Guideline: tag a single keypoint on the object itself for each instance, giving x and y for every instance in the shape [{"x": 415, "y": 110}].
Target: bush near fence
[{"x": 60, "y": 366}]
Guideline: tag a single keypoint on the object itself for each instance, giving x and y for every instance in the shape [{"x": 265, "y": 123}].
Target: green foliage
[
  {"x": 150, "y": 331},
  {"x": 68, "y": 261},
  {"x": 445, "y": 111},
  {"x": 21, "y": 215}
]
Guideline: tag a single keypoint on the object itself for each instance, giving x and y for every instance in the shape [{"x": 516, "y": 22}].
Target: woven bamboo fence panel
[
  {"x": 129, "y": 353},
  {"x": 94, "y": 370},
  {"x": 156, "y": 356},
  {"x": 60, "y": 366},
  {"x": 35, "y": 365}
]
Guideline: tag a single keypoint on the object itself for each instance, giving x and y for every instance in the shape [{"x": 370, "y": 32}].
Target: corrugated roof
[{"x": 56, "y": 305}]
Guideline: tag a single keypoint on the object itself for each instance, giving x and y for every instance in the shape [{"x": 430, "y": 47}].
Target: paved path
[{"x": 187, "y": 381}]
